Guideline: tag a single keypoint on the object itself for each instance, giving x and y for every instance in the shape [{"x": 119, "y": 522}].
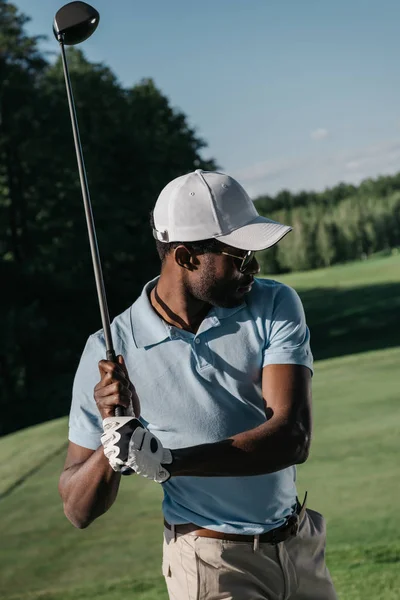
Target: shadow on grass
[{"x": 347, "y": 321}]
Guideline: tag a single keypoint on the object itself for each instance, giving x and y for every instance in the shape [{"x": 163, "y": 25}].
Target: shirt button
[{"x": 197, "y": 340}]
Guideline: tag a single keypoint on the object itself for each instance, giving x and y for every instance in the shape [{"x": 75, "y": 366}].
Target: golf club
[{"x": 74, "y": 23}]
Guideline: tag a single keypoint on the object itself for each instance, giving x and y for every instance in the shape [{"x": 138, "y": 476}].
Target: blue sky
[{"x": 297, "y": 94}]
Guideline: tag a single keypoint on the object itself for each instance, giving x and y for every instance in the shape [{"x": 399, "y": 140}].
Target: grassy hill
[
  {"x": 353, "y": 307},
  {"x": 351, "y": 475}
]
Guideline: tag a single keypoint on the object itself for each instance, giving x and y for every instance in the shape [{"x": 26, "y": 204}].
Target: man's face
[{"x": 217, "y": 279}]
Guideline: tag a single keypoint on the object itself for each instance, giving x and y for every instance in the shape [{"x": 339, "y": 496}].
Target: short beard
[{"x": 215, "y": 292}]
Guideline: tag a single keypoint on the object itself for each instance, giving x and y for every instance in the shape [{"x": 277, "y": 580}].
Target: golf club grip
[
  {"x": 119, "y": 410},
  {"x": 111, "y": 355}
]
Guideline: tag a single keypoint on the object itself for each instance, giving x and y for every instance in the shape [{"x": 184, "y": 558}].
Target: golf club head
[{"x": 75, "y": 22}]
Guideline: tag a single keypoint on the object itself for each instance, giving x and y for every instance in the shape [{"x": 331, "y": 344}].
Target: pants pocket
[
  {"x": 165, "y": 565},
  {"x": 166, "y": 568},
  {"x": 307, "y": 554},
  {"x": 179, "y": 567},
  {"x": 317, "y": 522}
]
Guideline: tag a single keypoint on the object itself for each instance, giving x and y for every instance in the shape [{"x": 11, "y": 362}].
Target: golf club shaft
[{"x": 98, "y": 274}]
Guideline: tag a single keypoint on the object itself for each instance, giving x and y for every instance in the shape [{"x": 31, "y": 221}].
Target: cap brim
[{"x": 259, "y": 234}]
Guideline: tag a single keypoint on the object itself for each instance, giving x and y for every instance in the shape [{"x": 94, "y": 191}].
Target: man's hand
[
  {"x": 115, "y": 389},
  {"x": 128, "y": 444},
  {"x": 147, "y": 456},
  {"x": 116, "y": 440}
]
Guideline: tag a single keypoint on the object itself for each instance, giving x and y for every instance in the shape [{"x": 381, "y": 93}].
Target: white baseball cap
[{"x": 208, "y": 204}]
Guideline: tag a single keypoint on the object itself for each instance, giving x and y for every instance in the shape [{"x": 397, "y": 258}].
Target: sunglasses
[{"x": 245, "y": 260}]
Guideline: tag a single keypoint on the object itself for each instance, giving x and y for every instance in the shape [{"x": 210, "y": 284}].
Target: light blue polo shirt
[{"x": 202, "y": 388}]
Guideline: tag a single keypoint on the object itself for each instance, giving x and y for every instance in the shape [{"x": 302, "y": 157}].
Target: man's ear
[{"x": 185, "y": 258}]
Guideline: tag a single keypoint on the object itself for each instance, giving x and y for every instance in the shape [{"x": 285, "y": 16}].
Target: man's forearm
[
  {"x": 265, "y": 449},
  {"x": 89, "y": 489}
]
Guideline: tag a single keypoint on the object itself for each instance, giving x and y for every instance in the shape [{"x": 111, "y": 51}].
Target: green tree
[
  {"x": 324, "y": 245},
  {"x": 133, "y": 142},
  {"x": 21, "y": 67},
  {"x": 336, "y": 225}
]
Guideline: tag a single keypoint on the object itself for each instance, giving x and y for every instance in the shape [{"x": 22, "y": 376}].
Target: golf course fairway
[{"x": 352, "y": 474}]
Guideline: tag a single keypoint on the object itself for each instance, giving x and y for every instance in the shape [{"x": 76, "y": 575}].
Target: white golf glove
[
  {"x": 115, "y": 439},
  {"x": 131, "y": 447},
  {"x": 147, "y": 456}
]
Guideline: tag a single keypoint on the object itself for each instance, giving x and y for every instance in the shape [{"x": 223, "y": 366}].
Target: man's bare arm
[
  {"x": 282, "y": 441},
  {"x": 88, "y": 485}
]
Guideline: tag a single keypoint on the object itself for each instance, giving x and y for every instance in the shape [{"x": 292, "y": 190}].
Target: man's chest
[{"x": 202, "y": 388}]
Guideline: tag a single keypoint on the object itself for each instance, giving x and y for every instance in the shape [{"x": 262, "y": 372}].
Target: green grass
[
  {"x": 352, "y": 477},
  {"x": 24, "y": 451},
  {"x": 351, "y": 308},
  {"x": 373, "y": 271}
]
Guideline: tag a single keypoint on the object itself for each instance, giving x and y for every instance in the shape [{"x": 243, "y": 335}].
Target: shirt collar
[
  {"x": 216, "y": 315},
  {"x": 147, "y": 328}
]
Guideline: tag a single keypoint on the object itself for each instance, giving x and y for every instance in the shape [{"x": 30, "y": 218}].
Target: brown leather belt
[{"x": 280, "y": 534}]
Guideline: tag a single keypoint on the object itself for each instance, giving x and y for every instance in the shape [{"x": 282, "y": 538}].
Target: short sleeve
[
  {"x": 85, "y": 423},
  {"x": 288, "y": 341}
]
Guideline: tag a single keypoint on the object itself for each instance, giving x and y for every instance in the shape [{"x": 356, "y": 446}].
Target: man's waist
[
  {"x": 288, "y": 529},
  {"x": 243, "y": 505}
]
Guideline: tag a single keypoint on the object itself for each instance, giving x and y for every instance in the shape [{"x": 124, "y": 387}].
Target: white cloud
[
  {"x": 317, "y": 171},
  {"x": 319, "y": 134},
  {"x": 352, "y": 165}
]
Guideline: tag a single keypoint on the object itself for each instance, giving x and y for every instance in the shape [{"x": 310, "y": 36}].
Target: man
[{"x": 220, "y": 370}]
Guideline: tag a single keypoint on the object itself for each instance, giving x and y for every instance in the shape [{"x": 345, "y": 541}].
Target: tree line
[{"x": 334, "y": 226}]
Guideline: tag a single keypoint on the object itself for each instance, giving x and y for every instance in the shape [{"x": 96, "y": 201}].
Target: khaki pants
[{"x": 198, "y": 568}]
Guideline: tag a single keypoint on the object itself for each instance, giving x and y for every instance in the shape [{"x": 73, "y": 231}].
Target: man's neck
[{"x": 176, "y": 307}]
